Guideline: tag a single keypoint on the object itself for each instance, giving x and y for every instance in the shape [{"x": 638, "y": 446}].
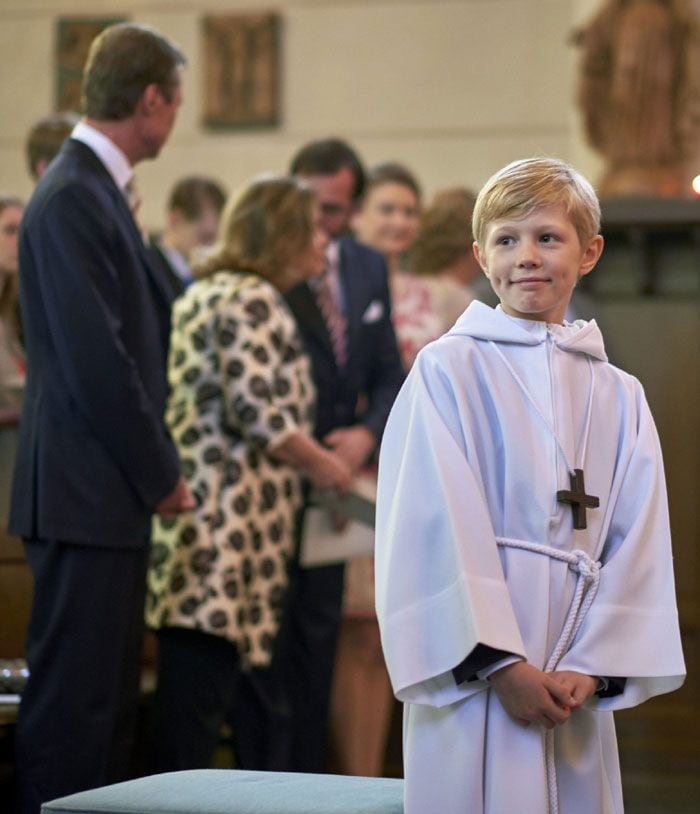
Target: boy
[{"x": 520, "y": 604}]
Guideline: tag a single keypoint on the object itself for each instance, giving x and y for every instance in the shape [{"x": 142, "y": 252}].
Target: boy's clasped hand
[{"x": 531, "y": 696}]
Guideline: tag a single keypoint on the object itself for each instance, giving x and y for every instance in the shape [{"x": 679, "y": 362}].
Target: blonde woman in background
[{"x": 240, "y": 411}]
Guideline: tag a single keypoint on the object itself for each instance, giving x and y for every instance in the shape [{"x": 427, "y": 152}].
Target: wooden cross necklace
[
  {"x": 578, "y": 499},
  {"x": 576, "y": 496}
]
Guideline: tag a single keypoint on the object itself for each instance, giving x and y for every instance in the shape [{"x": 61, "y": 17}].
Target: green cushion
[{"x": 228, "y": 791}]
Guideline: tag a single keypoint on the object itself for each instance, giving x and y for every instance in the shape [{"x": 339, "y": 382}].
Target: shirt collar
[
  {"x": 116, "y": 163},
  {"x": 178, "y": 263}
]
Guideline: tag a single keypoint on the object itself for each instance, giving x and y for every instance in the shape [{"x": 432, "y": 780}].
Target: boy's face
[{"x": 533, "y": 263}]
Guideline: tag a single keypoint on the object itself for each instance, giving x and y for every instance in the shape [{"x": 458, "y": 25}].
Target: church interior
[{"x": 452, "y": 89}]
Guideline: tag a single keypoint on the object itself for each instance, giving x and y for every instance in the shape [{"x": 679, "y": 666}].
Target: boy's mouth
[{"x": 530, "y": 281}]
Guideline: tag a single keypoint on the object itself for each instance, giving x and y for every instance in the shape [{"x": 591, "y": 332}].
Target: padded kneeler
[{"x": 229, "y": 791}]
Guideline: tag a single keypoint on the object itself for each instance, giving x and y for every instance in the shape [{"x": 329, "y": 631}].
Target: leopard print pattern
[{"x": 240, "y": 384}]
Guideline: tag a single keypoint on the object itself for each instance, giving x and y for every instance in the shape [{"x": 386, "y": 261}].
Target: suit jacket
[
  {"x": 373, "y": 370},
  {"x": 94, "y": 455},
  {"x": 159, "y": 259}
]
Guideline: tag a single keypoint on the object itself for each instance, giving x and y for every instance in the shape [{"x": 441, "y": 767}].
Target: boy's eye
[
  {"x": 548, "y": 238},
  {"x": 504, "y": 240}
]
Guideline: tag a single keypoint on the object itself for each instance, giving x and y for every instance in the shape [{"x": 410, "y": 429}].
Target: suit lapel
[
  {"x": 83, "y": 154},
  {"x": 303, "y": 304},
  {"x": 354, "y": 300},
  {"x": 155, "y": 274}
]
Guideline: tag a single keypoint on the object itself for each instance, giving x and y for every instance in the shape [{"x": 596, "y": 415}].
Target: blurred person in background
[
  {"x": 46, "y": 138},
  {"x": 442, "y": 254},
  {"x": 94, "y": 458},
  {"x": 192, "y": 221},
  {"x": 345, "y": 320},
  {"x": 241, "y": 413},
  {"x": 12, "y": 362},
  {"x": 387, "y": 220}
]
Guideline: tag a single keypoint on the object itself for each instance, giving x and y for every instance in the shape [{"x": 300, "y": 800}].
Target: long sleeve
[
  {"x": 268, "y": 354},
  {"x": 438, "y": 572}
]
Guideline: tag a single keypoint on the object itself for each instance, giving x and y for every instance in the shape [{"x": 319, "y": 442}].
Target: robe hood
[{"x": 480, "y": 321}]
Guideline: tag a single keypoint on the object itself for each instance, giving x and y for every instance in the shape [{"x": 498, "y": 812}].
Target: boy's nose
[{"x": 528, "y": 255}]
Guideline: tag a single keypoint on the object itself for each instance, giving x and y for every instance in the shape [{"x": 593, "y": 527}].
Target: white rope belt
[{"x": 587, "y": 581}]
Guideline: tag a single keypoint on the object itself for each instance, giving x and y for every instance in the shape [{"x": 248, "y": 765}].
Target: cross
[{"x": 578, "y": 499}]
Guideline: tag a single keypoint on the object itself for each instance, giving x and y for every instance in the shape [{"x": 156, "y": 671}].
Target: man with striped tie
[{"x": 344, "y": 316}]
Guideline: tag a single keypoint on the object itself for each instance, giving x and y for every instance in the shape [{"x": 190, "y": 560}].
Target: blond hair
[
  {"x": 528, "y": 184},
  {"x": 264, "y": 229}
]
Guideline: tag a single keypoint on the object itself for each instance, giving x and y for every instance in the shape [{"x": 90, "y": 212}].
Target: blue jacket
[
  {"x": 94, "y": 455},
  {"x": 365, "y": 389}
]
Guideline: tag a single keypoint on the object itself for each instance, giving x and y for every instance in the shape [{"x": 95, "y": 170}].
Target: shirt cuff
[{"x": 497, "y": 665}]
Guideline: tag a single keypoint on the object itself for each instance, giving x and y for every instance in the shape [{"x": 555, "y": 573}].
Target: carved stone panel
[
  {"x": 241, "y": 70},
  {"x": 73, "y": 38}
]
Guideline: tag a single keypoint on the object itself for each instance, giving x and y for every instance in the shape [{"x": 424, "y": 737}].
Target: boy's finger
[
  {"x": 557, "y": 715},
  {"x": 560, "y": 693}
]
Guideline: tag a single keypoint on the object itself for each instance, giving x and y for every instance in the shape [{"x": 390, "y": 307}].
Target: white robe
[{"x": 466, "y": 458}]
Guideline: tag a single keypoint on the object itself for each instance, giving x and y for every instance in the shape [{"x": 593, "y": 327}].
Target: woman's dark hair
[
  {"x": 193, "y": 194},
  {"x": 391, "y": 172}
]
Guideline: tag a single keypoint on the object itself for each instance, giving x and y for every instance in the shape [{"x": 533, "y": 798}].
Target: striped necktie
[{"x": 334, "y": 318}]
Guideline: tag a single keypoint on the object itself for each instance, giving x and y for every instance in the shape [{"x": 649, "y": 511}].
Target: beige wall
[{"x": 455, "y": 88}]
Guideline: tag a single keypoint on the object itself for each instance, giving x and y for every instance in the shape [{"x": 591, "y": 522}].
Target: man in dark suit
[
  {"x": 193, "y": 214},
  {"x": 345, "y": 321},
  {"x": 95, "y": 459}
]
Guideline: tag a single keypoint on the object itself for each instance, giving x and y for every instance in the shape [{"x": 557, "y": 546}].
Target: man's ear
[
  {"x": 591, "y": 255},
  {"x": 480, "y": 259},
  {"x": 151, "y": 98}
]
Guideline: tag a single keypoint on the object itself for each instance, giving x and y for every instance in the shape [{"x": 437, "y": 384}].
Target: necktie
[
  {"x": 132, "y": 195},
  {"x": 332, "y": 316},
  {"x": 133, "y": 200}
]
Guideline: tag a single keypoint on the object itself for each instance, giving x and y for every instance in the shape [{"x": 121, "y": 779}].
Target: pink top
[{"x": 418, "y": 313}]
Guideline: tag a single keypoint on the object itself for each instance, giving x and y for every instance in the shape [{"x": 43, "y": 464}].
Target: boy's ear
[
  {"x": 480, "y": 259},
  {"x": 592, "y": 254}
]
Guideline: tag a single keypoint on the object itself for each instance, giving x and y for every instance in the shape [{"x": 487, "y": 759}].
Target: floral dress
[
  {"x": 412, "y": 311},
  {"x": 240, "y": 384}
]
